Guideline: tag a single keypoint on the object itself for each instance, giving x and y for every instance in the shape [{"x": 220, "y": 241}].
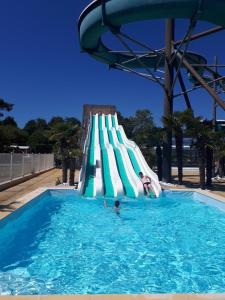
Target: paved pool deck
[
  {"x": 191, "y": 180},
  {"x": 9, "y": 198}
]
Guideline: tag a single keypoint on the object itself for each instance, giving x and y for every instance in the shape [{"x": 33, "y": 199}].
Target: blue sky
[{"x": 44, "y": 73}]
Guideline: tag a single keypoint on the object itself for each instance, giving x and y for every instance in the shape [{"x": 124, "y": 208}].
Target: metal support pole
[
  {"x": 202, "y": 81},
  {"x": 182, "y": 85},
  {"x": 168, "y": 100},
  {"x": 214, "y": 102},
  {"x": 214, "y": 106},
  {"x": 201, "y": 34},
  {"x": 39, "y": 162},
  {"x": 22, "y": 164},
  {"x": 32, "y": 163},
  {"x": 11, "y": 166}
]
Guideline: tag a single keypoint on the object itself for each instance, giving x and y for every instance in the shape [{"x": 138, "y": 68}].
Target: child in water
[{"x": 116, "y": 207}]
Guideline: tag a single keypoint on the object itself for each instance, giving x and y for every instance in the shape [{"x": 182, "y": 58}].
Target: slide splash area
[{"x": 112, "y": 163}]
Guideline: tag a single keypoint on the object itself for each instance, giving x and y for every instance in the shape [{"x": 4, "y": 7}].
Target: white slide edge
[{"x": 132, "y": 177}]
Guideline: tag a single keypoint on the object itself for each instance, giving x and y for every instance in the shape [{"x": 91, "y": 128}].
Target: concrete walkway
[
  {"x": 8, "y": 196},
  {"x": 192, "y": 181}
]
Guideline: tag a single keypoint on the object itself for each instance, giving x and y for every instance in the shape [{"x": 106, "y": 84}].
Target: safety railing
[{"x": 18, "y": 165}]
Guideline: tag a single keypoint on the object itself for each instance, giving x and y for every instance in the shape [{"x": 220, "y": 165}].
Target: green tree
[
  {"x": 127, "y": 123},
  {"x": 203, "y": 137},
  {"x": 5, "y": 106},
  {"x": 39, "y": 142},
  {"x": 35, "y": 125},
  {"x": 9, "y": 121},
  {"x": 143, "y": 120},
  {"x": 176, "y": 124},
  {"x": 55, "y": 120},
  {"x": 219, "y": 152},
  {"x": 141, "y": 129},
  {"x": 30, "y": 127},
  {"x": 144, "y": 134},
  {"x": 67, "y": 144},
  {"x": 11, "y": 135}
]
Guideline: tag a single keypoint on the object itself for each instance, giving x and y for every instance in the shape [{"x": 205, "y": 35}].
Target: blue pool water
[{"x": 62, "y": 244}]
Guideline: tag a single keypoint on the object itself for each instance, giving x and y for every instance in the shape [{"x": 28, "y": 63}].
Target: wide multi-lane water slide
[{"x": 111, "y": 162}]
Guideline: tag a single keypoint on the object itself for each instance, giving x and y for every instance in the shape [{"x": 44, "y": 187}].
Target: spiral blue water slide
[{"x": 100, "y": 17}]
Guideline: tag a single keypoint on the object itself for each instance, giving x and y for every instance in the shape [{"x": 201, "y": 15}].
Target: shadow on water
[{"x": 23, "y": 230}]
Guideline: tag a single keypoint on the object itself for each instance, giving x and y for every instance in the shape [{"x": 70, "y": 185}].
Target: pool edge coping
[{"x": 23, "y": 200}]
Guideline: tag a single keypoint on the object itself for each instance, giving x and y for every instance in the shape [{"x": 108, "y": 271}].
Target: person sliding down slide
[{"x": 146, "y": 180}]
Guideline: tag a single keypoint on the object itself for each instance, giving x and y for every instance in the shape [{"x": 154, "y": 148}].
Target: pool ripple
[{"x": 64, "y": 244}]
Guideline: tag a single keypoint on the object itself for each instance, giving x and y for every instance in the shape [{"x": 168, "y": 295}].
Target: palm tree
[
  {"x": 67, "y": 138},
  {"x": 159, "y": 161},
  {"x": 74, "y": 158},
  {"x": 175, "y": 122},
  {"x": 209, "y": 166},
  {"x": 203, "y": 140},
  {"x": 219, "y": 151}
]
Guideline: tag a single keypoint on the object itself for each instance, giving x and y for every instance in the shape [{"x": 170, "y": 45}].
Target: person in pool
[
  {"x": 146, "y": 180},
  {"x": 116, "y": 207}
]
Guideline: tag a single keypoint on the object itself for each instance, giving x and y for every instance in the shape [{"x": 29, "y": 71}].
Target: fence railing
[{"x": 17, "y": 165}]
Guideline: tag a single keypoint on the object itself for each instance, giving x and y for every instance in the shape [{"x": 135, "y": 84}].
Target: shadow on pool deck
[
  {"x": 9, "y": 198},
  {"x": 8, "y": 207},
  {"x": 192, "y": 181}
]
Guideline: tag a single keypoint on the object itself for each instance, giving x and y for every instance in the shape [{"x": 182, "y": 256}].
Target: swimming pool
[{"x": 61, "y": 244}]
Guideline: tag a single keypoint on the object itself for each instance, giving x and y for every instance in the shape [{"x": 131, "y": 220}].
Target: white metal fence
[{"x": 17, "y": 165}]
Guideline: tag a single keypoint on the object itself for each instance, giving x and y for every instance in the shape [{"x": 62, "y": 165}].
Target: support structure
[
  {"x": 168, "y": 99},
  {"x": 195, "y": 74},
  {"x": 183, "y": 88},
  {"x": 214, "y": 106},
  {"x": 157, "y": 65}
]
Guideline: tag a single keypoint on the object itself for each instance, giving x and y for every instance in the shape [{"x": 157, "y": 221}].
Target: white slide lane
[
  {"x": 98, "y": 181},
  {"x": 82, "y": 174},
  {"x": 132, "y": 177},
  {"x": 116, "y": 181},
  {"x": 140, "y": 159}
]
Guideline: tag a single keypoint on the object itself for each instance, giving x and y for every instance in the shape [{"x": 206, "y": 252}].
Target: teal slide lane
[
  {"x": 108, "y": 185},
  {"x": 131, "y": 154},
  {"x": 113, "y": 121},
  {"x": 88, "y": 190},
  {"x": 129, "y": 191},
  {"x": 107, "y": 122}
]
